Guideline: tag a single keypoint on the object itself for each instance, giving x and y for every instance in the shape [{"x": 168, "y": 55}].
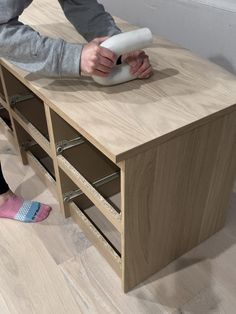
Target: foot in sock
[{"x": 14, "y": 207}]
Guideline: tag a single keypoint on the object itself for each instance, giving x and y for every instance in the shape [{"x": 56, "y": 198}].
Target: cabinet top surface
[{"x": 122, "y": 119}]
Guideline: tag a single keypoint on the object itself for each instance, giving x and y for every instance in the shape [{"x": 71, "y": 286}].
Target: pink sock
[{"x": 27, "y": 211}]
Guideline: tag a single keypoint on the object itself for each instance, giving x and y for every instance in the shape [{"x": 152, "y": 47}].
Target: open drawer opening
[
  {"x": 15, "y": 89},
  {"x": 4, "y": 115},
  {"x": 26, "y": 104},
  {"x": 87, "y": 160},
  {"x": 102, "y": 174},
  {"x": 32, "y": 111},
  {"x": 43, "y": 158},
  {"x": 28, "y": 144},
  {"x": 91, "y": 212}
]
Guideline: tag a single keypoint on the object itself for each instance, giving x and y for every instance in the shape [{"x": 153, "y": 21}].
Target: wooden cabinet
[{"x": 145, "y": 168}]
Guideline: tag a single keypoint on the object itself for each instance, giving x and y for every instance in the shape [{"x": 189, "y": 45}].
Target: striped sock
[{"x": 27, "y": 211}]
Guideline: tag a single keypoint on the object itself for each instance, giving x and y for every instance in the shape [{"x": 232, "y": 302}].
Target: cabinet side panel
[{"x": 175, "y": 196}]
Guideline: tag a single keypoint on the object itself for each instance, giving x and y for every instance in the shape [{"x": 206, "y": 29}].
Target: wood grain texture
[
  {"x": 123, "y": 120},
  {"x": 175, "y": 196}
]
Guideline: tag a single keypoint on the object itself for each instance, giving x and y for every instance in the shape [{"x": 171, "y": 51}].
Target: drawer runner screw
[
  {"x": 27, "y": 144},
  {"x": 66, "y": 144},
  {"x": 19, "y": 98}
]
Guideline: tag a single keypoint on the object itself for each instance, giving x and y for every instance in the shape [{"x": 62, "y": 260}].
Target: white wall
[{"x": 207, "y": 27}]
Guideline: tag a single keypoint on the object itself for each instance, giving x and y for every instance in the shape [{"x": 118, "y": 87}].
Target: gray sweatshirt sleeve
[
  {"x": 89, "y": 18},
  {"x": 32, "y": 52},
  {"x": 46, "y": 56}
]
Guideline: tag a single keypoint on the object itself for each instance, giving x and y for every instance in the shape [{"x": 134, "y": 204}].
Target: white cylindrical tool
[{"x": 123, "y": 43}]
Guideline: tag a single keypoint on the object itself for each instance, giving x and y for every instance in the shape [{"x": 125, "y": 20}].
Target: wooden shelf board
[{"x": 107, "y": 210}]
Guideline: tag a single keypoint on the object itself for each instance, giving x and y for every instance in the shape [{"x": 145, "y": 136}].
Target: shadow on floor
[{"x": 183, "y": 280}]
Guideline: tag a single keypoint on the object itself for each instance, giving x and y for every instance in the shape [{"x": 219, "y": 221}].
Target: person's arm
[
  {"x": 32, "y": 52},
  {"x": 89, "y": 18}
]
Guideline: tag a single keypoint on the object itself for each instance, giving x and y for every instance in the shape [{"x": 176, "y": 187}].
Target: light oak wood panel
[
  {"x": 126, "y": 119},
  {"x": 186, "y": 95},
  {"x": 175, "y": 196}
]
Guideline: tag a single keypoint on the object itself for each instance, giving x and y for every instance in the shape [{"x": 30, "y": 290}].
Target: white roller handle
[{"x": 120, "y": 44}]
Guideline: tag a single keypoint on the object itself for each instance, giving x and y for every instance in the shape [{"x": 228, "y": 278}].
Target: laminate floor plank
[
  {"x": 220, "y": 301},
  {"x": 99, "y": 290},
  {"x": 4, "y": 309},
  {"x": 30, "y": 281}
]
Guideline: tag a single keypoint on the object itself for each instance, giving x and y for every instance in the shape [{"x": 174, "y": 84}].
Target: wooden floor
[{"x": 50, "y": 267}]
